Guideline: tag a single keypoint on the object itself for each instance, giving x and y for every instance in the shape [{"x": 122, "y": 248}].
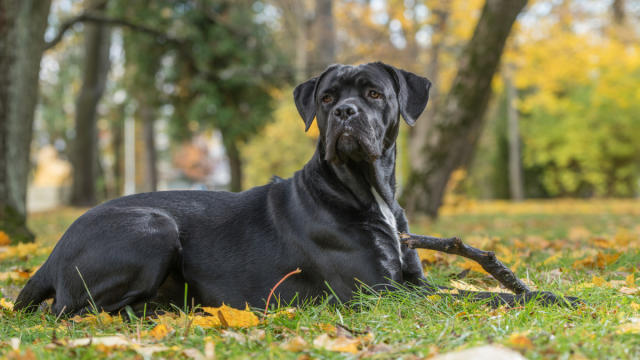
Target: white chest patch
[{"x": 389, "y": 219}]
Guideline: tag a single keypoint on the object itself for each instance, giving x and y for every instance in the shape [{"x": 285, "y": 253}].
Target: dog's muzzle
[{"x": 353, "y": 140}]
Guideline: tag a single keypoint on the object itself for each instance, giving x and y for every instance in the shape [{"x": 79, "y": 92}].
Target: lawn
[{"x": 589, "y": 249}]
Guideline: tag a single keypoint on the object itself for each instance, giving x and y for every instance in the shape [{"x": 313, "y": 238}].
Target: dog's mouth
[{"x": 347, "y": 146}]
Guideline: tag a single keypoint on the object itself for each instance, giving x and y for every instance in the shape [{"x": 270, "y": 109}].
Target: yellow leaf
[
  {"x": 328, "y": 328},
  {"x": 230, "y": 317},
  {"x": 160, "y": 331},
  {"x": 295, "y": 344},
  {"x": 552, "y": 259},
  {"x": 635, "y": 306},
  {"x": 630, "y": 280},
  {"x": 520, "y": 341},
  {"x": 578, "y": 233},
  {"x": 473, "y": 266},
  {"x": 6, "y": 304},
  {"x": 598, "y": 281},
  {"x": 632, "y": 327},
  {"x": 340, "y": 344},
  {"x": 599, "y": 261},
  {"x": 4, "y": 239},
  {"x": 102, "y": 318}
]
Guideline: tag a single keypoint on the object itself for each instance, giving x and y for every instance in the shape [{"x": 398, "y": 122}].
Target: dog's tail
[{"x": 37, "y": 289}]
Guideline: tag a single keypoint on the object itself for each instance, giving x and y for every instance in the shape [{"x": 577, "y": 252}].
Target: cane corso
[{"x": 337, "y": 219}]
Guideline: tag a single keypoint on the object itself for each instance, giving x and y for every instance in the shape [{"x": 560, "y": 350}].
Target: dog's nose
[{"x": 345, "y": 111}]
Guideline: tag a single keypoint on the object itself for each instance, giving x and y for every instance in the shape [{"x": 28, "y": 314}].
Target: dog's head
[{"x": 358, "y": 108}]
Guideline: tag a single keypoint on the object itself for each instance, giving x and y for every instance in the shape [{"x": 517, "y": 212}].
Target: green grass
[{"x": 410, "y": 324}]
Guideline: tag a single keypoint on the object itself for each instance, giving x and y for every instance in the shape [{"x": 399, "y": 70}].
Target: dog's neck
[{"x": 363, "y": 180}]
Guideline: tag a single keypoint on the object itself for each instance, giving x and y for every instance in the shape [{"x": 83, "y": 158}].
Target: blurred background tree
[{"x": 535, "y": 101}]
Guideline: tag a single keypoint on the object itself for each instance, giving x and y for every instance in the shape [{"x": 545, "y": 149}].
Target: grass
[{"x": 578, "y": 248}]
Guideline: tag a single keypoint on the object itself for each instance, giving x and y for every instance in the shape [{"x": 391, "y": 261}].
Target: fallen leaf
[
  {"x": 520, "y": 341},
  {"x": 240, "y": 338},
  {"x": 116, "y": 340},
  {"x": 232, "y": 317},
  {"x": 6, "y": 304},
  {"x": 102, "y": 318},
  {"x": 481, "y": 352},
  {"x": 4, "y": 239},
  {"x": 160, "y": 331},
  {"x": 328, "y": 328},
  {"x": 192, "y": 353},
  {"x": 295, "y": 344},
  {"x": 577, "y": 233},
  {"x": 632, "y": 327},
  {"x": 339, "y": 344},
  {"x": 629, "y": 291},
  {"x": 473, "y": 266},
  {"x": 600, "y": 260},
  {"x": 631, "y": 280}
]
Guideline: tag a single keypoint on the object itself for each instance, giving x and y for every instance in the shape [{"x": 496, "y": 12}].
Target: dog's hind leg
[{"x": 112, "y": 258}]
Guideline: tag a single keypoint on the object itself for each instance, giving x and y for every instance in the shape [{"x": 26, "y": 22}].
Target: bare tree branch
[
  {"x": 89, "y": 17},
  {"x": 486, "y": 259}
]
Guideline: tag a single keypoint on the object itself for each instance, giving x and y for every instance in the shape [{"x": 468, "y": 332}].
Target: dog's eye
[
  {"x": 374, "y": 94},
  {"x": 327, "y": 99}
]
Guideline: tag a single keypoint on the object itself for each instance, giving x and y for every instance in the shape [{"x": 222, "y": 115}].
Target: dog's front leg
[{"x": 411, "y": 265}]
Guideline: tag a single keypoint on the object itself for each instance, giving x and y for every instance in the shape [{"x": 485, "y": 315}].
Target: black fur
[{"x": 233, "y": 247}]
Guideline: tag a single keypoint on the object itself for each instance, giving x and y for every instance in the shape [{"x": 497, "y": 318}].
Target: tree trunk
[
  {"x": 117, "y": 145},
  {"x": 235, "y": 166},
  {"x": 516, "y": 182},
  {"x": 325, "y": 51},
  {"x": 301, "y": 33},
  {"x": 453, "y": 134},
  {"x": 147, "y": 116},
  {"x": 22, "y": 26},
  {"x": 418, "y": 134},
  {"x": 619, "y": 13},
  {"x": 85, "y": 156}
]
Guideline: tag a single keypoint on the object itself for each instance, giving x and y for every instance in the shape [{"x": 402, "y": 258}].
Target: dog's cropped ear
[
  {"x": 413, "y": 92},
  {"x": 304, "y": 96}
]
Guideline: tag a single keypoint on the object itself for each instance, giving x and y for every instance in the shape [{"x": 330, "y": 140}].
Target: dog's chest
[{"x": 390, "y": 221}]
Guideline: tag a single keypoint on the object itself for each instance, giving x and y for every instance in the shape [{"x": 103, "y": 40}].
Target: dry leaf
[
  {"x": 631, "y": 280},
  {"x": 481, "y": 352},
  {"x": 116, "y": 340},
  {"x": 632, "y": 327},
  {"x": 240, "y": 338},
  {"x": 520, "y": 341},
  {"x": 577, "y": 233},
  {"x": 328, "y": 328},
  {"x": 599, "y": 261},
  {"x": 227, "y": 316},
  {"x": 473, "y": 266},
  {"x": 6, "y": 304},
  {"x": 339, "y": 344},
  {"x": 628, "y": 290},
  {"x": 160, "y": 331},
  {"x": 192, "y": 353},
  {"x": 102, "y": 318},
  {"x": 4, "y": 239},
  {"x": 295, "y": 344}
]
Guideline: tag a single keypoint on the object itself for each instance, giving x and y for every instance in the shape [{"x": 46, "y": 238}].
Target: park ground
[{"x": 589, "y": 249}]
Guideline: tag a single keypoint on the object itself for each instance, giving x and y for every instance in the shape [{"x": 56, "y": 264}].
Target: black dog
[{"x": 336, "y": 219}]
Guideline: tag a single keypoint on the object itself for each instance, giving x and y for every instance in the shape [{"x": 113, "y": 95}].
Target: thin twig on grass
[
  {"x": 486, "y": 259},
  {"x": 296, "y": 271}
]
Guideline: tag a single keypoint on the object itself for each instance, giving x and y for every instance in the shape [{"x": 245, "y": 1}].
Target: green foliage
[
  {"x": 281, "y": 148},
  {"x": 586, "y": 145}
]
